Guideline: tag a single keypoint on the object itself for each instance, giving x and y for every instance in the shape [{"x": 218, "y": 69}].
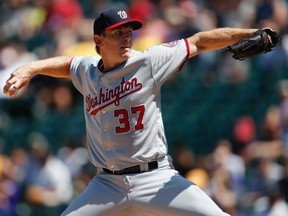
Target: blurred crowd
[{"x": 43, "y": 156}]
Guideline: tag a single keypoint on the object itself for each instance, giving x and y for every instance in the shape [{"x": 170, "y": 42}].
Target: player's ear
[{"x": 97, "y": 40}]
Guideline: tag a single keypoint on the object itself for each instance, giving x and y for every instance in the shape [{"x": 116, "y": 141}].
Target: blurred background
[{"x": 226, "y": 121}]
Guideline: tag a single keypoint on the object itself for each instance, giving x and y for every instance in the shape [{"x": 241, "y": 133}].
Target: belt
[{"x": 132, "y": 169}]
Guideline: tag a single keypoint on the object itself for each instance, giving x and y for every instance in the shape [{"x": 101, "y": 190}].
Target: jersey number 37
[{"x": 124, "y": 120}]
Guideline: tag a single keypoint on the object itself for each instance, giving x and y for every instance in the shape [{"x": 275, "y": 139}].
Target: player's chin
[{"x": 126, "y": 52}]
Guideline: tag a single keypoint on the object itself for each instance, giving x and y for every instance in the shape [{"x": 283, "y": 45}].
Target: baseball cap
[{"x": 113, "y": 18}]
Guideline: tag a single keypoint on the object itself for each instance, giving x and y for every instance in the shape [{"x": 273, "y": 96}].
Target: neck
[
  {"x": 109, "y": 63},
  {"x": 105, "y": 66}
]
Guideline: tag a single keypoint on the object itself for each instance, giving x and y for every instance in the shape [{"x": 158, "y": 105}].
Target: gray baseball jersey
[
  {"x": 122, "y": 107},
  {"x": 124, "y": 128}
]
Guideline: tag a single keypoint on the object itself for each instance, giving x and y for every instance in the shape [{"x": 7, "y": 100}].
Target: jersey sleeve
[
  {"x": 167, "y": 58},
  {"x": 79, "y": 68}
]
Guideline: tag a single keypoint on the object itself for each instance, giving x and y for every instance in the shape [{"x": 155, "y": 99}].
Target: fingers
[
  {"x": 19, "y": 78},
  {"x": 12, "y": 91},
  {"x": 11, "y": 87}
]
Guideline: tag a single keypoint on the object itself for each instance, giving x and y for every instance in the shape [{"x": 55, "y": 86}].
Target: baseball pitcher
[{"x": 121, "y": 91}]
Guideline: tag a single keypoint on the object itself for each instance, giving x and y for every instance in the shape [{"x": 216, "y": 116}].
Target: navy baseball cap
[{"x": 113, "y": 18}]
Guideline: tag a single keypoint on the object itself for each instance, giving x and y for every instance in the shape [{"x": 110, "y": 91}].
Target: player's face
[{"x": 117, "y": 42}]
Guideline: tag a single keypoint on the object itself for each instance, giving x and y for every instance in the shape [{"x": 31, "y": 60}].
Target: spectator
[{"x": 49, "y": 179}]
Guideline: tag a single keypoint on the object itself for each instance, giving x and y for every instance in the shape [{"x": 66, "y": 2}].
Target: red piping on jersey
[
  {"x": 71, "y": 60},
  {"x": 70, "y": 64},
  {"x": 72, "y": 57},
  {"x": 187, "y": 56}
]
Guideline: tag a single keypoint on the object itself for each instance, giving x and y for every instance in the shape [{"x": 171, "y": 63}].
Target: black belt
[{"x": 132, "y": 169}]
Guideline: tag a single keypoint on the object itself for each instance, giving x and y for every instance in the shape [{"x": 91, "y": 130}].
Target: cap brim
[{"x": 136, "y": 24}]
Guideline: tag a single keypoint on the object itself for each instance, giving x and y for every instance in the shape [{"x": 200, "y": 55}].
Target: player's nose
[{"x": 127, "y": 37}]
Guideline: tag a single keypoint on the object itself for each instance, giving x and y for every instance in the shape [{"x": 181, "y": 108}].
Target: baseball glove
[{"x": 262, "y": 41}]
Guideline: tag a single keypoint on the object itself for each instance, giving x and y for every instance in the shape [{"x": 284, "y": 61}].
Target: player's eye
[
  {"x": 117, "y": 33},
  {"x": 120, "y": 33}
]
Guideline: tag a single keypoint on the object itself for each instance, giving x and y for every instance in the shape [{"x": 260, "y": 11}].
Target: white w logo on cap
[{"x": 122, "y": 14}]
